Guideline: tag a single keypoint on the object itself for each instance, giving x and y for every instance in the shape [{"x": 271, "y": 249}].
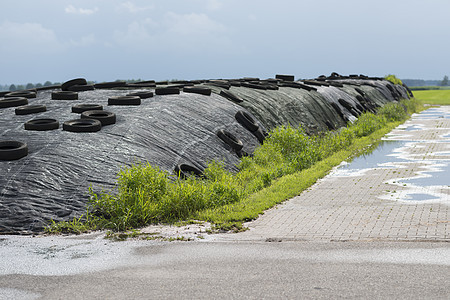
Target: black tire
[
  {"x": 64, "y": 95},
  {"x": 124, "y": 100},
  {"x": 167, "y": 91},
  {"x": 141, "y": 85},
  {"x": 230, "y": 139},
  {"x": 12, "y": 150},
  {"x": 142, "y": 94},
  {"x": 110, "y": 85},
  {"x": 82, "y": 125},
  {"x": 285, "y": 77},
  {"x": 77, "y": 81},
  {"x": 185, "y": 170},
  {"x": 230, "y": 96},
  {"x": 42, "y": 124},
  {"x": 246, "y": 120},
  {"x": 105, "y": 117},
  {"x": 345, "y": 104},
  {"x": 81, "y": 88},
  {"x": 260, "y": 135},
  {"x": 361, "y": 92},
  {"x": 30, "y": 109},
  {"x": 13, "y": 102},
  {"x": 79, "y": 108},
  {"x": 254, "y": 86},
  {"x": 197, "y": 90},
  {"x": 329, "y": 125},
  {"x": 297, "y": 85},
  {"x": 24, "y": 94}
]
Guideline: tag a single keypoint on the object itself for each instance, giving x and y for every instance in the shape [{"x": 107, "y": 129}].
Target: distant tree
[
  {"x": 20, "y": 87},
  {"x": 444, "y": 81},
  {"x": 12, "y": 88},
  {"x": 29, "y": 86},
  {"x": 38, "y": 85},
  {"x": 47, "y": 83}
]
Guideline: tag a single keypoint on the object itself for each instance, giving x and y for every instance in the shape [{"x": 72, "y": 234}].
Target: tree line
[{"x": 20, "y": 87}]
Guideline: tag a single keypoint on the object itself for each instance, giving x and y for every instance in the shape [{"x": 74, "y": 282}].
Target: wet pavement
[
  {"x": 376, "y": 227},
  {"x": 399, "y": 192}
]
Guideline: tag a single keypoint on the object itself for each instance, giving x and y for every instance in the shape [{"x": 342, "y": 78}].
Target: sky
[{"x": 105, "y": 40}]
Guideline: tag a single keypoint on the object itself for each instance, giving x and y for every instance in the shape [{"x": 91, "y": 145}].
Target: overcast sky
[{"x": 105, "y": 40}]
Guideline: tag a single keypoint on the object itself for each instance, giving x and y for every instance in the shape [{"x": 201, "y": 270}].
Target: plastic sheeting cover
[{"x": 53, "y": 180}]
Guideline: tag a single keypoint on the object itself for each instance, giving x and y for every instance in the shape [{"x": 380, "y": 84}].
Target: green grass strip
[{"x": 287, "y": 187}]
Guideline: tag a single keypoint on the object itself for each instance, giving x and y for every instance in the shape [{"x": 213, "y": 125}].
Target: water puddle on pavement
[
  {"x": 429, "y": 182},
  {"x": 385, "y": 155}
]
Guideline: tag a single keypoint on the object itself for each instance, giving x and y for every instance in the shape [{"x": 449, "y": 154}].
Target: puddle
[
  {"x": 420, "y": 197},
  {"x": 386, "y": 153}
]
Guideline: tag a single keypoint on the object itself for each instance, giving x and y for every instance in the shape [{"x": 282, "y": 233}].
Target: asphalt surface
[
  {"x": 90, "y": 267},
  {"x": 355, "y": 242}
]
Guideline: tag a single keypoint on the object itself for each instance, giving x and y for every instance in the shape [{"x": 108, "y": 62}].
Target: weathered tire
[
  {"x": 30, "y": 109},
  {"x": 142, "y": 95},
  {"x": 167, "y": 91},
  {"x": 260, "y": 135},
  {"x": 285, "y": 77},
  {"x": 254, "y": 86},
  {"x": 82, "y": 125},
  {"x": 230, "y": 139},
  {"x": 185, "y": 170},
  {"x": 110, "y": 85},
  {"x": 42, "y": 124},
  {"x": 77, "y": 81},
  {"x": 12, "y": 150},
  {"x": 246, "y": 120},
  {"x": 13, "y": 102},
  {"x": 79, "y": 108},
  {"x": 197, "y": 90},
  {"x": 345, "y": 104},
  {"x": 361, "y": 92},
  {"x": 124, "y": 100},
  {"x": 24, "y": 94},
  {"x": 141, "y": 85},
  {"x": 81, "y": 88},
  {"x": 230, "y": 96},
  {"x": 338, "y": 109},
  {"x": 105, "y": 117},
  {"x": 64, "y": 95}
]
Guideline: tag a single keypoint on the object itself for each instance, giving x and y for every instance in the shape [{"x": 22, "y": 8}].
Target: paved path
[{"x": 401, "y": 192}]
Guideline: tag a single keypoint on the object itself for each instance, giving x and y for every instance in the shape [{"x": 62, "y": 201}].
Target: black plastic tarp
[{"x": 52, "y": 181}]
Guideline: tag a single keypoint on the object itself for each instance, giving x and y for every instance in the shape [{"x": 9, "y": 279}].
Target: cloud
[
  {"x": 213, "y": 4},
  {"x": 192, "y": 24},
  {"x": 138, "y": 32},
  {"x": 85, "y": 41},
  {"x": 174, "y": 33},
  {"x": 28, "y": 38},
  {"x": 80, "y": 11},
  {"x": 132, "y": 8}
]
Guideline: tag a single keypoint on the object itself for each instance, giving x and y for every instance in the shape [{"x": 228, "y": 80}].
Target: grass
[
  {"x": 435, "y": 97},
  {"x": 288, "y": 162}
]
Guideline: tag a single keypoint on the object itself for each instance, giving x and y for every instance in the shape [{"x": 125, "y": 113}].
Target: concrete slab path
[{"x": 401, "y": 192}]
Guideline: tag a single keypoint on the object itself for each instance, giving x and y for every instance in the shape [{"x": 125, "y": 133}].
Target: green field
[{"x": 440, "y": 97}]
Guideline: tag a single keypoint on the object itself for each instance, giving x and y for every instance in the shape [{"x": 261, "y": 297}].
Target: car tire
[
  {"x": 82, "y": 125},
  {"x": 13, "y": 102},
  {"x": 12, "y": 150},
  {"x": 230, "y": 139},
  {"x": 105, "y": 117},
  {"x": 30, "y": 109},
  {"x": 42, "y": 124}
]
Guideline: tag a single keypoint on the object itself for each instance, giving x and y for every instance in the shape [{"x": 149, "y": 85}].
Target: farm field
[{"x": 439, "y": 97}]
